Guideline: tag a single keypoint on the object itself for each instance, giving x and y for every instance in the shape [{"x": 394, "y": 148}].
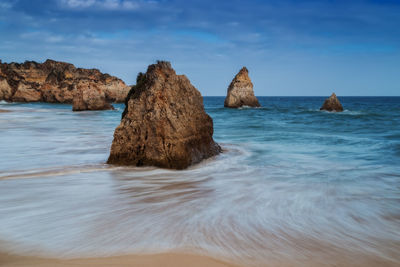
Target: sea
[{"x": 294, "y": 186}]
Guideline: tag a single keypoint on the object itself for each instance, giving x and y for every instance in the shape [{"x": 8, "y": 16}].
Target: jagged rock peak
[
  {"x": 243, "y": 74},
  {"x": 164, "y": 123},
  {"x": 332, "y": 104},
  {"x": 240, "y": 91}
]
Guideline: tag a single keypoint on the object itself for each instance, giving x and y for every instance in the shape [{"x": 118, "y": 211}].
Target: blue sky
[{"x": 290, "y": 47}]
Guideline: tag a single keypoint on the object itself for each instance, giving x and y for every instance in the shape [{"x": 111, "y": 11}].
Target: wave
[{"x": 54, "y": 171}]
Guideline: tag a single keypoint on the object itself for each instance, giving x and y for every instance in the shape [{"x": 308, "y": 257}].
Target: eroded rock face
[
  {"x": 54, "y": 82},
  {"x": 88, "y": 97},
  {"x": 164, "y": 123},
  {"x": 332, "y": 104},
  {"x": 240, "y": 91}
]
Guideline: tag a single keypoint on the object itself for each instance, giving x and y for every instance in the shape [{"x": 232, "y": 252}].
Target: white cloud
[
  {"x": 6, "y": 5},
  {"x": 79, "y": 3},
  {"x": 42, "y": 35},
  {"x": 111, "y": 4},
  {"x": 130, "y": 5},
  {"x": 101, "y": 4}
]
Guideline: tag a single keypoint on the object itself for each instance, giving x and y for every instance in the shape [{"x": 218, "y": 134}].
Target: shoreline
[{"x": 142, "y": 260}]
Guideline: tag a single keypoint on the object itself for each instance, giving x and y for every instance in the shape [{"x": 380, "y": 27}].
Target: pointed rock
[
  {"x": 164, "y": 123},
  {"x": 332, "y": 104},
  {"x": 240, "y": 91}
]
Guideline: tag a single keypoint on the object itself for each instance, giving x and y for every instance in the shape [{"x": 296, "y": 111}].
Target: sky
[{"x": 291, "y": 48}]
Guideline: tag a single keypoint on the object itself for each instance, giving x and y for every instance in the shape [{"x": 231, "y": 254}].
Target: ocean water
[{"x": 294, "y": 186}]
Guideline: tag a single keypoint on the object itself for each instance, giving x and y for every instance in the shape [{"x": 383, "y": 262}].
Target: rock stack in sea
[
  {"x": 55, "y": 82},
  {"x": 164, "y": 123},
  {"x": 240, "y": 91},
  {"x": 332, "y": 104}
]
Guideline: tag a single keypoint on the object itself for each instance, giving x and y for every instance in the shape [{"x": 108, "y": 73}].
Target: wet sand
[
  {"x": 164, "y": 260},
  {"x": 3, "y": 110}
]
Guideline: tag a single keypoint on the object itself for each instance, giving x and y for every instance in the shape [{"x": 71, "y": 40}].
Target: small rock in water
[
  {"x": 332, "y": 104},
  {"x": 240, "y": 91},
  {"x": 164, "y": 123}
]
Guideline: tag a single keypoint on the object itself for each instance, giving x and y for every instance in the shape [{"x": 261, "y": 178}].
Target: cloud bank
[{"x": 290, "y": 47}]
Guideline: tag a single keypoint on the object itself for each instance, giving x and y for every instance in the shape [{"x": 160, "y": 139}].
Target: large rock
[
  {"x": 240, "y": 91},
  {"x": 164, "y": 123},
  {"x": 88, "y": 96},
  {"x": 54, "y": 82},
  {"x": 332, "y": 104}
]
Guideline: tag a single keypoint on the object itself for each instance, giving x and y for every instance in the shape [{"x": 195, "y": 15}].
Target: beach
[{"x": 167, "y": 260}]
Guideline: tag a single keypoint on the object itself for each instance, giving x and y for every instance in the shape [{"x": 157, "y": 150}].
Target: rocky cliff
[
  {"x": 55, "y": 82},
  {"x": 332, "y": 104},
  {"x": 164, "y": 123},
  {"x": 240, "y": 91}
]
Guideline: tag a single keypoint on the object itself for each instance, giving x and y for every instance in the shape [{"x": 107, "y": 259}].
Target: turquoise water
[{"x": 294, "y": 185}]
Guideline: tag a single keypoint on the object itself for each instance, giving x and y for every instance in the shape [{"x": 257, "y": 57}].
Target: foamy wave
[{"x": 56, "y": 171}]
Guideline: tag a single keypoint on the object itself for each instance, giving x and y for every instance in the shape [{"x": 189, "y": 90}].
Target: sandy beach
[{"x": 165, "y": 260}]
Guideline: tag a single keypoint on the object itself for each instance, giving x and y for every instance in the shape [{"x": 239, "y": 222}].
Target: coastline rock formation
[
  {"x": 89, "y": 97},
  {"x": 332, "y": 104},
  {"x": 164, "y": 123},
  {"x": 240, "y": 91},
  {"x": 54, "y": 82}
]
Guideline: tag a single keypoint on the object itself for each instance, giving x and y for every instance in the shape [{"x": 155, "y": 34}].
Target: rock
[
  {"x": 26, "y": 93},
  {"x": 240, "y": 91},
  {"x": 88, "y": 96},
  {"x": 332, "y": 104},
  {"x": 54, "y": 82},
  {"x": 4, "y": 111},
  {"x": 164, "y": 123},
  {"x": 5, "y": 89}
]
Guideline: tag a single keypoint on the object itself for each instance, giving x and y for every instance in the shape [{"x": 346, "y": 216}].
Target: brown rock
[
  {"x": 89, "y": 97},
  {"x": 240, "y": 91},
  {"x": 164, "y": 123},
  {"x": 54, "y": 82},
  {"x": 5, "y": 89},
  {"x": 26, "y": 93},
  {"x": 332, "y": 104}
]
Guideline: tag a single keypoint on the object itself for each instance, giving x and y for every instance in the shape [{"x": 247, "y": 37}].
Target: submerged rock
[
  {"x": 240, "y": 91},
  {"x": 88, "y": 96},
  {"x": 332, "y": 104},
  {"x": 164, "y": 123},
  {"x": 54, "y": 82}
]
